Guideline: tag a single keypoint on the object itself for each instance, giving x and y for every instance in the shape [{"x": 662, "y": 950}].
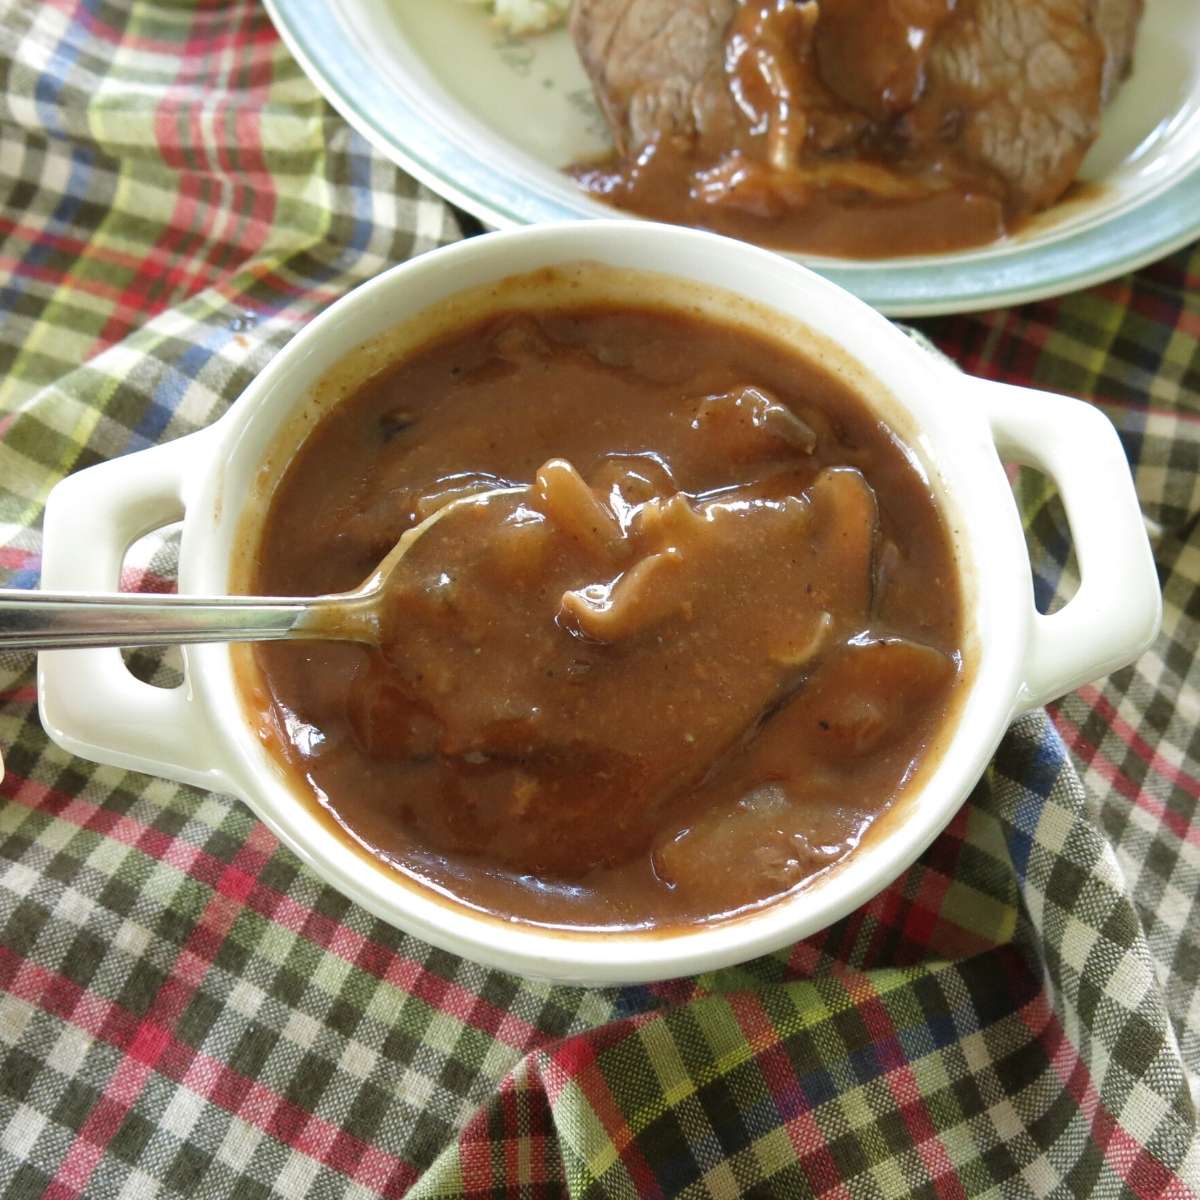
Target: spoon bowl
[{"x": 62, "y": 620}]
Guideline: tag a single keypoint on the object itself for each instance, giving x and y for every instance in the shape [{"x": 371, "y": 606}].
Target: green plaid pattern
[{"x": 186, "y": 1011}]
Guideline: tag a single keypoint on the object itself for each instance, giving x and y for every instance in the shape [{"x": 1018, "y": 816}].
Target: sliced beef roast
[
  {"x": 998, "y": 97},
  {"x": 658, "y": 67},
  {"x": 1016, "y": 84}
]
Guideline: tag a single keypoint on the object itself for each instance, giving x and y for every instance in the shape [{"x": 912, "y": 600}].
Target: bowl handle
[
  {"x": 1116, "y": 613},
  {"x": 89, "y": 702}
]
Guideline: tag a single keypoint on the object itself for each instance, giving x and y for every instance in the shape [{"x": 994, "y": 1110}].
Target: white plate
[{"x": 489, "y": 120}]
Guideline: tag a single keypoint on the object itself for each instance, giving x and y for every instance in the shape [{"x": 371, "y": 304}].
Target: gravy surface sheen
[{"x": 675, "y": 676}]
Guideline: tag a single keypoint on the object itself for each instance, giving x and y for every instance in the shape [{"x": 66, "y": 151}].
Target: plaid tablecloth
[{"x": 186, "y": 1011}]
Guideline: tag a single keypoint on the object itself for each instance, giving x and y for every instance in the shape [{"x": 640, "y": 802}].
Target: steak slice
[
  {"x": 1007, "y": 92},
  {"x": 657, "y": 67},
  {"x": 1015, "y": 86}
]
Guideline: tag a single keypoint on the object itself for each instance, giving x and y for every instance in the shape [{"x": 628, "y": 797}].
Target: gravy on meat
[
  {"x": 858, "y": 128},
  {"x": 676, "y": 676}
]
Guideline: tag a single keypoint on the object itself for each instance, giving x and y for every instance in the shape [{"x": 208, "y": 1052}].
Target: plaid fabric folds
[{"x": 186, "y": 1011}]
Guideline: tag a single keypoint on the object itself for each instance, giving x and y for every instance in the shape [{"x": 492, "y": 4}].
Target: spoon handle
[{"x": 60, "y": 620}]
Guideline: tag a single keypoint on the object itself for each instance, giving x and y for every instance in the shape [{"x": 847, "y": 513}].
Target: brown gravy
[{"x": 677, "y": 675}]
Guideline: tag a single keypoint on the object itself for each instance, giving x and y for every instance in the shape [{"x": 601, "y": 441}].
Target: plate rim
[{"x": 1141, "y": 234}]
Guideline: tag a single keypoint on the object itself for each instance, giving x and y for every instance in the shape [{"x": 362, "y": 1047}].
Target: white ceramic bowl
[{"x": 958, "y": 427}]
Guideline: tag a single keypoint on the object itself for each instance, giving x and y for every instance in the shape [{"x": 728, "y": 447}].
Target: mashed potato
[{"x": 526, "y": 16}]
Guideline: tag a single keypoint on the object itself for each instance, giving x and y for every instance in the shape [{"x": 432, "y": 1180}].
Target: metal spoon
[{"x": 62, "y": 620}]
